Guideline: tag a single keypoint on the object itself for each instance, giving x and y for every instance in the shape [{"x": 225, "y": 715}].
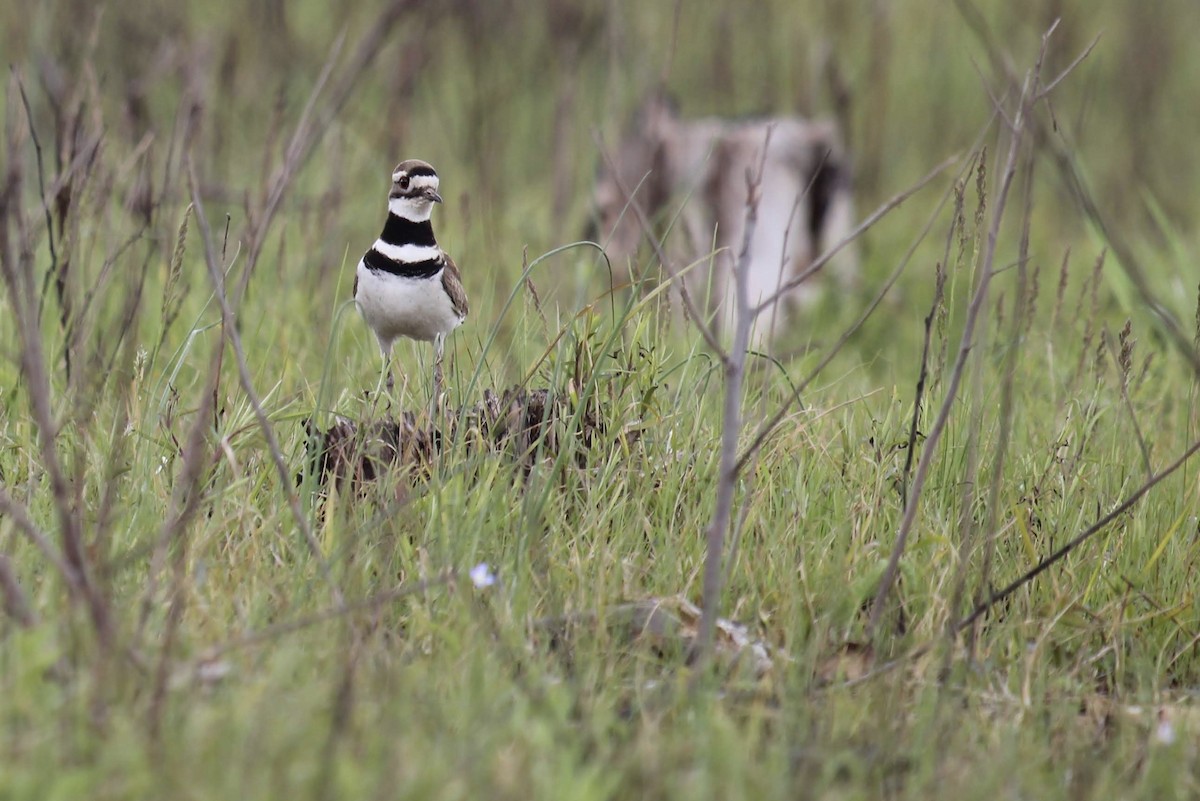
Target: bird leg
[
  {"x": 439, "y": 344},
  {"x": 385, "y": 377}
]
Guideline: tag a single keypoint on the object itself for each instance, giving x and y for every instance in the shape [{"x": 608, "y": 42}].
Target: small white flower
[
  {"x": 482, "y": 576},
  {"x": 1165, "y": 732}
]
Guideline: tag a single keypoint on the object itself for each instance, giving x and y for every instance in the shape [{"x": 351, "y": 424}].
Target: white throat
[{"x": 411, "y": 209}]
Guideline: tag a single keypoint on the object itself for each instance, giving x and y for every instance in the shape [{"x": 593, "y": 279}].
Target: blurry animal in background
[{"x": 699, "y": 167}]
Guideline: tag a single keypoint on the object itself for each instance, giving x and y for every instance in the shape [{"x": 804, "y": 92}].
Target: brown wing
[{"x": 452, "y": 283}]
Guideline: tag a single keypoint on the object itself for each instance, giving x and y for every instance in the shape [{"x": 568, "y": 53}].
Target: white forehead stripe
[
  {"x": 421, "y": 181},
  {"x": 408, "y": 254}
]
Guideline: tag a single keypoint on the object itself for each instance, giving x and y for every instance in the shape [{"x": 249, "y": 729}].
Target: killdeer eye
[{"x": 403, "y": 182}]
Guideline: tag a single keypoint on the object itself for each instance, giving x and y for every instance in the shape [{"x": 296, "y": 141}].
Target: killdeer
[{"x": 405, "y": 285}]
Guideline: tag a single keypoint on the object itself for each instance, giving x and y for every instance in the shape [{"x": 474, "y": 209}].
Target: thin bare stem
[
  {"x": 17, "y": 273},
  {"x": 922, "y": 375},
  {"x": 870, "y": 221},
  {"x": 1045, "y": 564},
  {"x": 1123, "y": 384},
  {"x": 697, "y": 317},
  {"x": 278, "y": 630},
  {"x": 965, "y": 344},
  {"x": 312, "y": 126},
  {"x": 15, "y": 601},
  {"x": 1052, "y": 85},
  {"x": 41, "y": 173},
  {"x": 235, "y": 340},
  {"x": 767, "y": 428},
  {"x": 731, "y": 426}
]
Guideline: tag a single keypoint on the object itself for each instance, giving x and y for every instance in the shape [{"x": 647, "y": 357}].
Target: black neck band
[{"x": 399, "y": 231}]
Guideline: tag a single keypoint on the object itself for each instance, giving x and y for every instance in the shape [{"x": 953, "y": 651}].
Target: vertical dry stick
[
  {"x": 710, "y": 338},
  {"x": 939, "y": 286},
  {"x": 731, "y": 425},
  {"x": 185, "y": 499},
  {"x": 765, "y": 430},
  {"x": 309, "y": 133},
  {"x": 1123, "y": 383},
  {"x": 973, "y": 311},
  {"x": 235, "y": 340},
  {"x": 1049, "y": 561},
  {"x": 15, "y": 602},
  {"x": 1000, "y": 453},
  {"x": 17, "y": 272},
  {"x": 37, "y": 149},
  {"x": 879, "y": 213},
  {"x": 1065, "y": 159}
]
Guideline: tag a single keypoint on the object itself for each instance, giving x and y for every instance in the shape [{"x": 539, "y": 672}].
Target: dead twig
[
  {"x": 235, "y": 340},
  {"x": 342, "y": 610},
  {"x": 1123, "y": 385},
  {"x": 879, "y": 213},
  {"x": 185, "y": 500},
  {"x": 767, "y": 428},
  {"x": 15, "y": 601},
  {"x": 731, "y": 424},
  {"x": 694, "y": 312},
  {"x": 1046, "y": 563},
  {"x": 312, "y": 126},
  {"x": 17, "y": 273},
  {"x": 974, "y": 311},
  {"x": 939, "y": 285}
]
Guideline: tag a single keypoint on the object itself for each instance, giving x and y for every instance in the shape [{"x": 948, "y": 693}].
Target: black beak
[{"x": 433, "y": 195}]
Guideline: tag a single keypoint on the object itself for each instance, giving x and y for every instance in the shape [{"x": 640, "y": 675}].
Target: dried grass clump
[{"x": 520, "y": 422}]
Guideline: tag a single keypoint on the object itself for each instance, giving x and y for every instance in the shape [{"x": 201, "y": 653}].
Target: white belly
[{"x": 395, "y": 306}]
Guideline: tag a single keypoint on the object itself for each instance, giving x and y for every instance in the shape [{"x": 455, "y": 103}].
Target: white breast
[{"x": 395, "y": 306}]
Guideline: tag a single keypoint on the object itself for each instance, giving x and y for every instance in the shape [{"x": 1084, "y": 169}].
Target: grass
[{"x": 169, "y": 630}]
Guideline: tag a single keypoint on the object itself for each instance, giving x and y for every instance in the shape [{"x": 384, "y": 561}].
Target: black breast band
[{"x": 377, "y": 262}]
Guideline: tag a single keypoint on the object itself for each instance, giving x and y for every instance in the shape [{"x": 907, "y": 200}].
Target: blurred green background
[{"x": 506, "y": 99}]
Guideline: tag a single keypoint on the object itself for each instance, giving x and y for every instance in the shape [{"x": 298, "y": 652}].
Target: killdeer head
[{"x": 414, "y": 190}]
